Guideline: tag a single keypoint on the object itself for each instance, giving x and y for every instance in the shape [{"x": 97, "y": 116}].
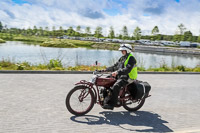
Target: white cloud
[
  {"x": 167, "y": 15},
  {"x": 146, "y": 14}
]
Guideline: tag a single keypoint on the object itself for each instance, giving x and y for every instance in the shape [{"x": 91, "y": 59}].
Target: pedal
[{"x": 128, "y": 103}]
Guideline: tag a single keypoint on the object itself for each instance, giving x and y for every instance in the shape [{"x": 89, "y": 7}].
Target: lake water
[{"x": 35, "y": 54}]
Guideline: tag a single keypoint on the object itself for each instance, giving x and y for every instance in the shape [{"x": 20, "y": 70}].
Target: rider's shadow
[{"x": 140, "y": 121}]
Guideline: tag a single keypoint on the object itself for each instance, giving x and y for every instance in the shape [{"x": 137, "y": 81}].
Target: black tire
[
  {"x": 134, "y": 107},
  {"x": 86, "y": 93}
]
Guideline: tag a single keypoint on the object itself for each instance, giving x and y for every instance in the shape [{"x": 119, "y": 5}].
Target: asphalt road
[{"x": 31, "y": 103}]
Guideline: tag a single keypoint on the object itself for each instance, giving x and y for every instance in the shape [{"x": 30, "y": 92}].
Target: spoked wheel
[
  {"x": 80, "y": 100},
  {"x": 133, "y": 105}
]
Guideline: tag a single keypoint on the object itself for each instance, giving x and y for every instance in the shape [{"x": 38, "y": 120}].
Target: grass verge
[
  {"x": 2, "y": 41},
  {"x": 66, "y": 43},
  {"x": 55, "y": 64}
]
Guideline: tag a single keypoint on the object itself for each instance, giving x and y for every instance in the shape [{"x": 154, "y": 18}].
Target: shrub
[
  {"x": 42, "y": 66},
  {"x": 141, "y": 68},
  {"x": 197, "y": 69},
  {"x": 54, "y": 63},
  {"x": 164, "y": 67},
  {"x": 20, "y": 66},
  {"x": 5, "y": 63},
  {"x": 85, "y": 68},
  {"x": 181, "y": 68}
]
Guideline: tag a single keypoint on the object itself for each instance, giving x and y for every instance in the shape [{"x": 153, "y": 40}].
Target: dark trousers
[{"x": 115, "y": 91}]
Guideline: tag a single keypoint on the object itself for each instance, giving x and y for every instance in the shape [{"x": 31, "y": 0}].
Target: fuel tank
[{"x": 105, "y": 82}]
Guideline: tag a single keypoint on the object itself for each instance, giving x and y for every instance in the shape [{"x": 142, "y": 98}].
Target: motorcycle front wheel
[{"x": 80, "y": 100}]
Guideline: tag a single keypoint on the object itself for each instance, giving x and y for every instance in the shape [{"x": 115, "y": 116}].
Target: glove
[{"x": 102, "y": 70}]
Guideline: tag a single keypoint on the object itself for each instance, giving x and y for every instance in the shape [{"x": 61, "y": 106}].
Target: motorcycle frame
[{"x": 96, "y": 91}]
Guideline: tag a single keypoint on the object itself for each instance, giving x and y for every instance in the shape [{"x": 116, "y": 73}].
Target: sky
[{"x": 166, "y": 14}]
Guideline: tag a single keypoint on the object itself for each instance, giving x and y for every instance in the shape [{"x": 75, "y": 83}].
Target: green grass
[
  {"x": 2, "y": 41},
  {"x": 86, "y": 68},
  {"x": 52, "y": 65},
  {"x": 56, "y": 64},
  {"x": 180, "y": 68},
  {"x": 66, "y": 43},
  {"x": 61, "y": 43},
  {"x": 6, "y": 36},
  {"x": 12, "y": 37},
  {"x": 108, "y": 46},
  {"x": 80, "y": 43},
  {"x": 30, "y": 38}
]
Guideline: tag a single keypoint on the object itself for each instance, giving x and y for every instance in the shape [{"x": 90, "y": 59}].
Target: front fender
[{"x": 88, "y": 85}]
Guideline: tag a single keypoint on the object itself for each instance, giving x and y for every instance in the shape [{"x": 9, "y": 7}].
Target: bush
[
  {"x": 141, "y": 68},
  {"x": 6, "y": 36},
  {"x": 181, "y": 68},
  {"x": 85, "y": 68},
  {"x": 5, "y": 63},
  {"x": 55, "y": 64},
  {"x": 41, "y": 67},
  {"x": 23, "y": 66},
  {"x": 20, "y": 66},
  {"x": 197, "y": 69},
  {"x": 164, "y": 67}
]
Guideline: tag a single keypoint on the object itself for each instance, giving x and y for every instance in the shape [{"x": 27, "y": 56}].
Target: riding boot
[
  {"x": 108, "y": 106},
  {"x": 115, "y": 91}
]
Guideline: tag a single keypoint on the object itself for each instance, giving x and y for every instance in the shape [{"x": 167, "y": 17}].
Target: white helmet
[{"x": 126, "y": 47}]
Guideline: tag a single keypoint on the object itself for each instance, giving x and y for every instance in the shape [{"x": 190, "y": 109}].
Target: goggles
[{"x": 124, "y": 46}]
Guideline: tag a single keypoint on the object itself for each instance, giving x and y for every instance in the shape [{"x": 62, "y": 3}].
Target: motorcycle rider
[{"x": 125, "y": 70}]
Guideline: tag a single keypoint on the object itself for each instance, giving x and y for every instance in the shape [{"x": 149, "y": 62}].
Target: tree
[
  {"x": 46, "y": 31},
  {"x": 61, "y": 31},
  {"x": 76, "y": 34},
  {"x": 1, "y": 26},
  {"x": 120, "y": 36},
  {"x": 159, "y": 37},
  {"x": 41, "y": 31},
  {"x": 177, "y": 38},
  {"x": 111, "y": 33},
  {"x": 194, "y": 38},
  {"x": 87, "y": 31},
  {"x": 187, "y": 36},
  {"x": 47, "y": 28},
  {"x": 167, "y": 37},
  {"x": 78, "y": 28},
  {"x": 29, "y": 31},
  {"x": 125, "y": 32},
  {"x": 137, "y": 33},
  {"x": 35, "y": 30},
  {"x": 198, "y": 39},
  {"x": 181, "y": 29},
  {"x": 70, "y": 31},
  {"x": 98, "y": 32},
  {"x": 155, "y": 30},
  {"x": 54, "y": 30}
]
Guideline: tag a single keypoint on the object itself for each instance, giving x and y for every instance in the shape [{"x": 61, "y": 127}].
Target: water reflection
[{"x": 20, "y": 51}]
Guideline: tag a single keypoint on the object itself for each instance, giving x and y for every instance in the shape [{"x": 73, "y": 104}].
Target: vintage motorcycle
[{"x": 81, "y": 99}]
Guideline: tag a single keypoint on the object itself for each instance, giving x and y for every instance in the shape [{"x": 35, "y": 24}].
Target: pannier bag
[{"x": 139, "y": 89}]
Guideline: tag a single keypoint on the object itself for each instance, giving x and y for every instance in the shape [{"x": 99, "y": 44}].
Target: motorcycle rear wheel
[
  {"x": 80, "y": 100},
  {"x": 131, "y": 105}
]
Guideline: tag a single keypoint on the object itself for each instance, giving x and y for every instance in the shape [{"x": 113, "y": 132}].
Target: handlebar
[{"x": 101, "y": 73}]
